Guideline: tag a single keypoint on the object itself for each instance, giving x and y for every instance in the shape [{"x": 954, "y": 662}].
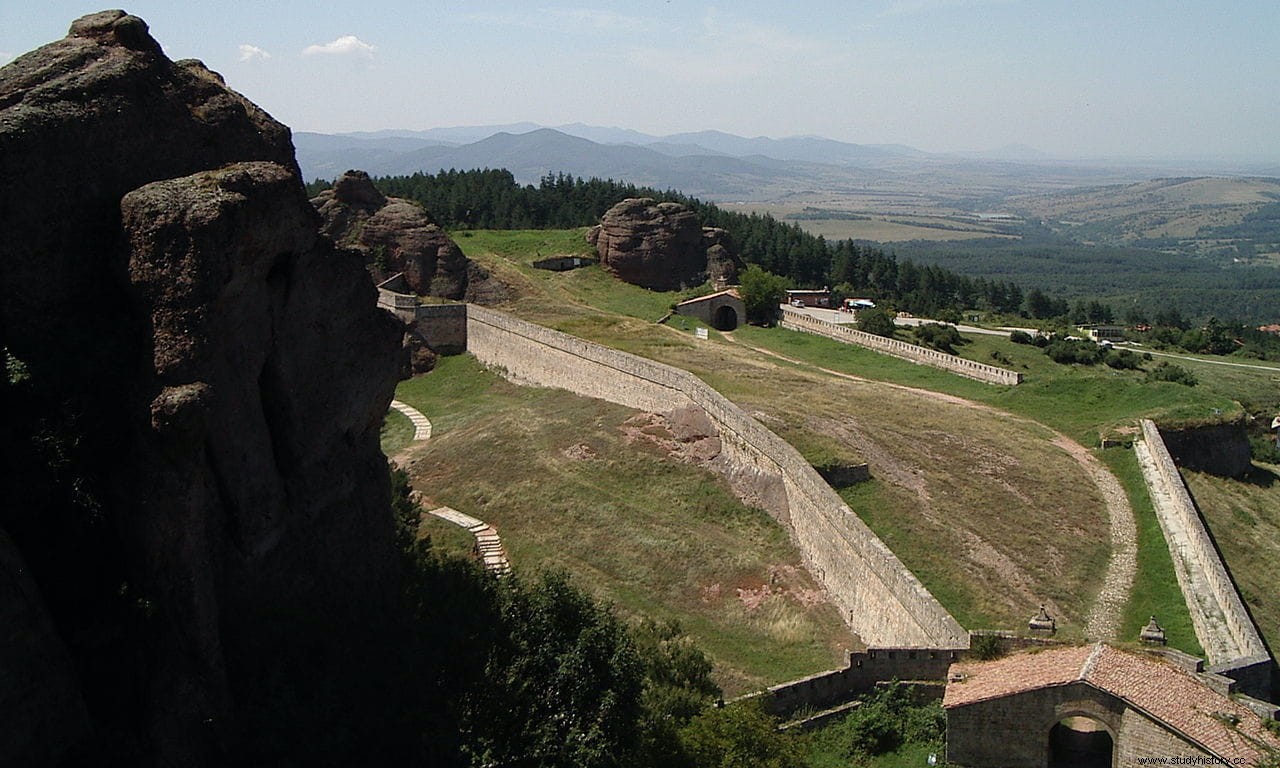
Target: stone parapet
[{"x": 990, "y": 374}]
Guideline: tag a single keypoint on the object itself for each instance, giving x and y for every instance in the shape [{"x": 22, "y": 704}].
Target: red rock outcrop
[
  {"x": 196, "y": 381},
  {"x": 662, "y": 246},
  {"x": 395, "y": 235}
]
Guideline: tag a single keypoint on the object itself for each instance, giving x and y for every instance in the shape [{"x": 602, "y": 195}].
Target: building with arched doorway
[
  {"x": 723, "y": 310},
  {"x": 1095, "y": 706}
]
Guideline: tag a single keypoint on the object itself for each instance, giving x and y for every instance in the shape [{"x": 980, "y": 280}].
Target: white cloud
[
  {"x": 252, "y": 53},
  {"x": 347, "y": 45}
]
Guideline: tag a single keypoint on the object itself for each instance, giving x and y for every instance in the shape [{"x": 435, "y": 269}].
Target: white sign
[{"x": 700, "y": 332}]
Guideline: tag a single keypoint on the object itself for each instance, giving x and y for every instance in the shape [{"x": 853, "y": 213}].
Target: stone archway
[
  {"x": 725, "y": 318},
  {"x": 1080, "y": 741}
]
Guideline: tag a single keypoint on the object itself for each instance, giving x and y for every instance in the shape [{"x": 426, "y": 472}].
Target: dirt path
[{"x": 1107, "y": 612}]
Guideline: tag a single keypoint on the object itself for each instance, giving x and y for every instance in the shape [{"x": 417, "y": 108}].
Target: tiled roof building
[{"x": 1093, "y": 705}]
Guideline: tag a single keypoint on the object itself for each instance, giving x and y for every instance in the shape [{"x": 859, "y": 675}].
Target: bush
[
  {"x": 1123, "y": 359},
  {"x": 876, "y": 321},
  {"x": 888, "y": 719},
  {"x": 1021, "y": 337},
  {"x": 986, "y": 647},
  {"x": 1264, "y": 449},
  {"x": 1068, "y": 351},
  {"x": 1170, "y": 372},
  {"x": 943, "y": 338},
  {"x": 739, "y": 736}
]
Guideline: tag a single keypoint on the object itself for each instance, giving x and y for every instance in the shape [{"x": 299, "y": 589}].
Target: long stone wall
[
  {"x": 1222, "y": 624},
  {"x": 879, "y": 598},
  {"x": 798, "y": 321}
]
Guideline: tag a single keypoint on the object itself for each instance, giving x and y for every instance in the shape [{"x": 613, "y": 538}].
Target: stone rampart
[
  {"x": 444, "y": 326},
  {"x": 799, "y": 321},
  {"x": 1222, "y": 623},
  {"x": 865, "y": 670},
  {"x": 880, "y": 599}
]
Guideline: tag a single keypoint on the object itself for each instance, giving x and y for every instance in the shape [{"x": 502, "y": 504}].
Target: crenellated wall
[
  {"x": 879, "y": 598},
  {"x": 799, "y": 321}
]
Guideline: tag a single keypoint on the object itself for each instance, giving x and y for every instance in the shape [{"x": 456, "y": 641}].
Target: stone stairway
[{"x": 488, "y": 544}]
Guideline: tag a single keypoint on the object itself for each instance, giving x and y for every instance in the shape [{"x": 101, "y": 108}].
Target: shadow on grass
[{"x": 1259, "y": 477}]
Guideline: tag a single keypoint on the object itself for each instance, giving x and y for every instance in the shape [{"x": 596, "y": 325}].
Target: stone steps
[{"x": 488, "y": 545}]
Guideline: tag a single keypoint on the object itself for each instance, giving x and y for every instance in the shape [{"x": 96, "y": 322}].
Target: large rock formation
[
  {"x": 662, "y": 246},
  {"x": 395, "y": 235},
  {"x": 195, "y": 381}
]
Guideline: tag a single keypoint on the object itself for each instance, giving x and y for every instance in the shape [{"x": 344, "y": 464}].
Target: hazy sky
[{"x": 1072, "y": 78}]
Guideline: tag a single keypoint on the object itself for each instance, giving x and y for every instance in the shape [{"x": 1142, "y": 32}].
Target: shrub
[
  {"x": 986, "y": 647},
  {"x": 877, "y": 321},
  {"x": 1123, "y": 359},
  {"x": 887, "y": 719},
  {"x": 1021, "y": 337},
  {"x": 943, "y": 338},
  {"x": 1068, "y": 351},
  {"x": 1166, "y": 371}
]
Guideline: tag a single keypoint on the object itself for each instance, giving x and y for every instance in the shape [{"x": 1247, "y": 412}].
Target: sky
[{"x": 1078, "y": 78}]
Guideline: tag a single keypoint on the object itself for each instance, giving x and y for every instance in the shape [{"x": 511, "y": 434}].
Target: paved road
[{"x": 1189, "y": 358}]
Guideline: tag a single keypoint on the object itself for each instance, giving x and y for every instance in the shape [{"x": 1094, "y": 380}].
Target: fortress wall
[
  {"x": 798, "y": 321},
  {"x": 880, "y": 599},
  {"x": 444, "y": 326},
  {"x": 1181, "y": 522}
]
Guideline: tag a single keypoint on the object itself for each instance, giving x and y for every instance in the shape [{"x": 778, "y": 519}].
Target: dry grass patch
[{"x": 565, "y": 488}]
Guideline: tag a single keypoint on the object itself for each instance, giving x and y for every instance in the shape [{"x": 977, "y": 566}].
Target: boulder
[
  {"x": 192, "y": 440},
  {"x": 394, "y": 235},
  {"x": 661, "y": 246}
]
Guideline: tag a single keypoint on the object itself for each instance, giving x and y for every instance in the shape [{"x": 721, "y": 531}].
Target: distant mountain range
[{"x": 709, "y": 164}]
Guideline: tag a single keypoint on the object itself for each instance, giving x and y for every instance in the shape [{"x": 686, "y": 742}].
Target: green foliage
[
  {"x": 1167, "y": 371},
  {"x": 1264, "y": 449},
  {"x": 762, "y": 292},
  {"x": 1020, "y": 337},
  {"x": 887, "y": 719},
  {"x": 944, "y": 338},
  {"x": 677, "y": 687},
  {"x": 986, "y": 647},
  {"x": 1123, "y": 359},
  {"x": 563, "y": 688},
  {"x": 877, "y": 321},
  {"x": 1067, "y": 351},
  {"x": 739, "y": 735}
]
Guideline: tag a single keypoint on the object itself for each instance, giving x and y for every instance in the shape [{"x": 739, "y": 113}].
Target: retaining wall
[
  {"x": 798, "y": 321},
  {"x": 1232, "y": 645},
  {"x": 865, "y": 670},
  {"x": 879, "y": 598}
]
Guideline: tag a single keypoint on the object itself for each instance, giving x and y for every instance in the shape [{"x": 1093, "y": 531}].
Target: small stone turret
[{"x": 1042, "y": 623}]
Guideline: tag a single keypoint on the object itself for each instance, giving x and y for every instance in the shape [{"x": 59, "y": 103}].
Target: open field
[{"x": 557, "y": 477}]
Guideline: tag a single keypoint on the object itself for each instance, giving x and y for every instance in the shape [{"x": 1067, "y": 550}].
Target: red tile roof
[{"x": 1146, "y": 682}]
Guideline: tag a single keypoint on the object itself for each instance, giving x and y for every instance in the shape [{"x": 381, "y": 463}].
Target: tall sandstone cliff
[{"x": 195, "y": 381}]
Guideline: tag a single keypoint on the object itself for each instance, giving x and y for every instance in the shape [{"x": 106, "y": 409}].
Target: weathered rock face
[
  {"x": 211, "y": 374},
  {"x": 395, "y": 235},
  {"x": 662, "y": 246}
]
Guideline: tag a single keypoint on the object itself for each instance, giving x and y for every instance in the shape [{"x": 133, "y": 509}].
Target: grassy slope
[
  {"x": 1244, "y": 516},
  {"x": 656, "y": 537}
]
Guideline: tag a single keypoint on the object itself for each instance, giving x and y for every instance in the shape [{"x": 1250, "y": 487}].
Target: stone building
[
  {"x": 723, "y": 310},
  {"x": 1094, "y": 706}
]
